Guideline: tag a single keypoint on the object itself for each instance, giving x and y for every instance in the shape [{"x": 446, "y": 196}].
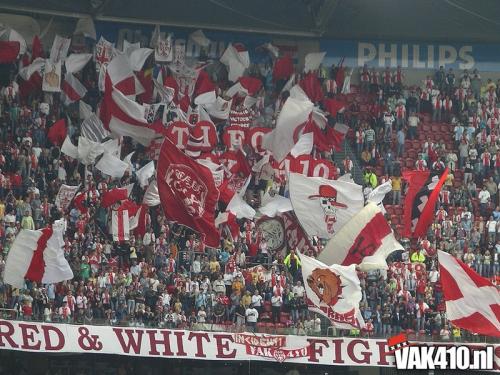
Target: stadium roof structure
[{"x": 411, "y": 20}]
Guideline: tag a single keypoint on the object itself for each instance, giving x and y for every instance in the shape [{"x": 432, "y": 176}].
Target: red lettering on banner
[
  {"x": 7, "y": 335},
  {"x": 366, "y": 355},
  {"x": 48, "y": 341},
  {"x": 314, "y": 350},
  {"x": 180, "y": 344},
  {"x": 132, "y": 342},
  {"x": 28, "y": 332},
  {"x": 154, "y": 342},
  {"x": 337, "y": 357},
  {"x": 383, "y": 351},
  {"x": 222, "y": 342},
  {"x": 199, "y": 342}
]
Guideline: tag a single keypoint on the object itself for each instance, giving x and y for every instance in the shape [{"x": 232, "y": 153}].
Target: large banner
[
  {"x": 380, "y": 54},
  {"x": 151, "y": 342}
]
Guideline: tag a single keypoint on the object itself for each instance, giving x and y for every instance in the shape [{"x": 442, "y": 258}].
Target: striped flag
[
  {"x": 93, "y": 129},
  {"x": 73, "y": 90},
  {"x": 120, "y": 225}
]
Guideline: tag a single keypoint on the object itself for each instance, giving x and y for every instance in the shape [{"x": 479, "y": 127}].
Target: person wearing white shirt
[
  {"x": 298, "y": 289},
  {"x": 433, "y": 275},
  {"x": 484, "y": 198},
  {"x": 257, "y": 300},
  {"x": 252, "y": 316},
  {"x": 219, "y": 286},
  {"x": 196, "y": 266}
]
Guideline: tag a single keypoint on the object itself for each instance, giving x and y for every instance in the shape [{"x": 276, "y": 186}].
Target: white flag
[
  {"x": 313, "y": 61},
  {"x": 282, "y": 139},
  {"x": 112, "y": 166},
  {"x": 65, "y": 196},
  {"x": 85, "y": 26},
  {"x": 138, "y": 57},
  {"x": 69, "y": 148},
  {"x": 324, "y": 206},
  {"x": 88, "y": 150},
  {"x": 76, "y": 62},
  {"x": 52, "y": 77},
  {"x": 60, "y": 48},
  {"x": 333, "y": 291},
  {"x": 164, "y": 51},
  {"x": 367, "y": 240},
  {"x": 151, "y": 196},
  {"x": 145, "y": 173}
]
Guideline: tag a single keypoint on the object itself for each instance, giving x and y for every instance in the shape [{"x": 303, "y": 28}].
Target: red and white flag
[
  {"x": 112, "y": 196},
  {"x": 73, "y": 90},
  {"x": 65, "y": 196},
  {"x": 38, "y": 255},
  {"x": 120, "y": 225},
  {"x": 59, "y": 49},
  {"x": 122, "y": 77},
  {"x": 290, "y": 122},
  {"x": 472, "y": 301},
  {"x": 333, "y": 291},
  {"x": 324, "y": 206},
  {"x": 420, "y": 201},
  {"x": 366, "y": 239},
  {"x": 187, "y": 191},
  {"x": 124, "y": 117}
]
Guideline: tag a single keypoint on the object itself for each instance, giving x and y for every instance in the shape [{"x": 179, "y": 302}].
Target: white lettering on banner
[
  {"x": 236, "y": 137},
  {"x": 321, "y": 170},
  {"x": 423, "y": 56},
  {"x": 66, "y": 338}
]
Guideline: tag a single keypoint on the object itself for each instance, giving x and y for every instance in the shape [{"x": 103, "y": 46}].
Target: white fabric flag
[
  {"x": 324, "y": 206},
  {"x": 235, "y": 62},
  {"x": 85, "y": 26},
  {"x": 128, "y": 159},
  {"x": 112, "y": 147},
  {"x": 164, "y": 51},
  {"x": 65, "y": 196},
  {"x": 76, "y": 62},
  {"x": 138, "y": 57},
  {"x": 36, "y": 66},
  {"x": 59, "y": 49},
  {"x": 298, "y": 93},
  {"x": 128, "y": 47},
  {"x": 220, "y": 108},
  {"x": 313, "y": 61},
  {"x": 378, "y": 194},
  {"x": 333, "y": 291},
  {"x": 238, "y": 206},
  {"x": 112, "y": 166},
  {"x": 88, "y": 150},
  {"x": 151, "y": 196},
  {"x": 304, "y": 146},
  {"x": 120, "y": 225},
  {"x": 216, "y": 169},
  {"x": 56, "y": 267},
  {"x": 272, "y": 206},
  {"x": 199, "y": 38},
  {"x": 282, "y": 139},
  {"x": 145, "y": 173},
  {"x": 69, "y": 148},
  {"x": 85, "y": 110},
  {"x": 52, "y": 77},
  {"x": 366, "y": 240},
  {"x": 14, "y": 36}
]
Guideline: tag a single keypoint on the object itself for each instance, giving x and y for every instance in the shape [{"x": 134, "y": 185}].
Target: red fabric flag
[
  {"x": 36, "y": 48},
  {"x": 328, "y": 139},
  {"x": 420, "y": 201},
  {"x": 187, "y": 192},
  {"x": 32, "y": 86},
  {"x": 283, "y": 68},
  {"x": 112, "y": 196},
  {"x": 203, "y": 84},
  {"x": 251, "y": 84},
  {"x": 57, "y": 132},
  {"x": 146, "y": 82},
  {"x": 333, "y": 106},
  {"x": 312, "y": 87},
  {"x": 9, "y": 51}
]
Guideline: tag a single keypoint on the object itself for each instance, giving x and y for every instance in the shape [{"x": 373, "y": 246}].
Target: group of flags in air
[{"x": 190, "y": 180}]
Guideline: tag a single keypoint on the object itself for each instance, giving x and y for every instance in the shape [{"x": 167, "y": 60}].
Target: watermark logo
[{"x": 439, "y": 357}]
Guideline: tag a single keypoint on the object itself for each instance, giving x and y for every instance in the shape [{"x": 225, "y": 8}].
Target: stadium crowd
[{"x": 166, "y": 278}]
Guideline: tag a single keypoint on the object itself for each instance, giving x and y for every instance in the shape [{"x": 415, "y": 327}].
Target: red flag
[
  {"x": 472, "y": 301},
  {"x": 312, "y": 87},
  {"x": 251, "y": 84},
  {"x": 243, "y": 165},
  {"x": 146, "y": 82},
  {"x": 112, "y": 196},
  {"x": 57, "y": 132},
  {"x": 31, "y": 86},
  {"x": 9, "y": 51},
  {"x": 36, "y": 48},
  {"x": 283, "y": 68},
  {"x": 333, "y": 106},
  {"x": 187, "y": 192},
  {"x": 420, "y": 201},
  {"x": 331, "y": 137}
]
